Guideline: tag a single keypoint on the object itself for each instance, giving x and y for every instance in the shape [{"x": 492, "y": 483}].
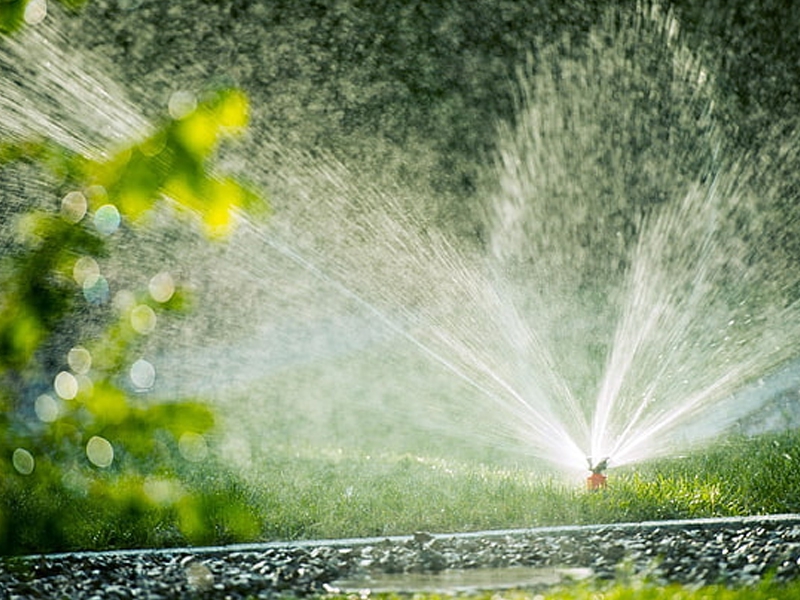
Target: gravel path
[{"x": 732, "y": 551}]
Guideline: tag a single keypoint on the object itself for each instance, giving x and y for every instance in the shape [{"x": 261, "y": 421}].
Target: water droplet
[
  {"x": 35, "y": 12},
  {"x": 65, "y": 385},
  {"x": 74, "y": 206},
  {"x": 161, "y": 287},
  {"x": 100, "y": 452},
  {"x": 23, "y": 461},
  {"x": 47, "y": 408},
  {"x": 85, "y": 269},
  {"x": 192, "y": 446},
  {"x": 79, "y": 360},
  {"x": 181, "y": 104},
  {"x": 107, "y": 219},
  {"x": 143, "y": 319},
  {"x": 143, "y": 374}
]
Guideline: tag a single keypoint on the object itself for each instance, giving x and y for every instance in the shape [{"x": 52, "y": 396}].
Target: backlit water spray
[{"x": 625, "y": 283}]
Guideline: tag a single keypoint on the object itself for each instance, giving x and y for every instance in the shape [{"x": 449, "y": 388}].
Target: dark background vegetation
[{"x": 425, "y": 75}]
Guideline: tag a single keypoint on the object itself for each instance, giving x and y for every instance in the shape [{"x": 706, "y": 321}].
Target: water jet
[{"x": 630, "y": 278}]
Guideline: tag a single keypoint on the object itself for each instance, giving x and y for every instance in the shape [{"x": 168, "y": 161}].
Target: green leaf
[{"x": 12, "y": 13}]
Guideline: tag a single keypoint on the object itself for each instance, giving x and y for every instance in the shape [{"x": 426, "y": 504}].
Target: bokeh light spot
[
  {"x": 47, "y": 408},
  {"x": 85, "y": 385},
  {"x": 124, "y": 300},
  {"x": 96, "y": 195},
  {"x": 143, "y": 374},
  {"x": 161, "y": 287},
  {"x": 23, "y": 461},
  {"x": 96, "y": 291},
  {"x": 74, "y": 206},
  {"x": 143, "y": 319},
  {"x": 154, "y": 145},
  {"x": 192, "y": 446},
  {"x": 181, "y": 104},
  {"x": 79, "y": 360},
  {"x": 85, "y": 270},
  {"x": 107, "y": 219},
  {"x": 160, "y": 490},
  {"x": 100, "y": 452},
  {"x": 66, "y": 386},
  {"x": 75, "y": 481},
  {"x": 35, "y": 12}
]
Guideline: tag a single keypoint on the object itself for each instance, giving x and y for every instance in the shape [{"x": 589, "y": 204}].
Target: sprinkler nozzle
[
  {"x": 597, "y": 480},
  {"x": 598, "y": 468}
]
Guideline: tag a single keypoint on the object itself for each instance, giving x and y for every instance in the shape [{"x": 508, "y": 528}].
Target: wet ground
[{"x": 731, "y": 551}]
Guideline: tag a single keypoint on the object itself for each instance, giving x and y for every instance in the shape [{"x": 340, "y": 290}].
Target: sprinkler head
[
  {"x": 597, "y": 480},
  {"x": 600, "y": 467}
]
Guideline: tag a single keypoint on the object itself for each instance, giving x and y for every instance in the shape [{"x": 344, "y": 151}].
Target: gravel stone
[{"x": 732, "y": 552}]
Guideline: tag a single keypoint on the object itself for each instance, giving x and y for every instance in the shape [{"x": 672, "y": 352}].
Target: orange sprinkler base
[{"x": 596, "y": 481}]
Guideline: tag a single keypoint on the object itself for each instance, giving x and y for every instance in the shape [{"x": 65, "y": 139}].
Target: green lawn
[
  {"x": 340, "y": 494},
  {"x": 642, "y": 591},
  {"x": 329, "y": 493}
]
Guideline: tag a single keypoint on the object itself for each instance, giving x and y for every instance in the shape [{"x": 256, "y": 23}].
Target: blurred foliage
[
  {"x": 173, "y": 161},
  {"x": 87, "y": 460},
  {"x": 13, "y": 15}
]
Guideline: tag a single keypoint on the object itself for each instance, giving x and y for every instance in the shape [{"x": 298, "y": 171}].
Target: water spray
[{"x": 598, "y": 479}]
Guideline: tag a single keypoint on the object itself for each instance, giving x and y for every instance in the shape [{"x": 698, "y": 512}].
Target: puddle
[{"x": 462, "y": 580}]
